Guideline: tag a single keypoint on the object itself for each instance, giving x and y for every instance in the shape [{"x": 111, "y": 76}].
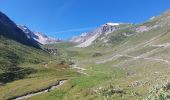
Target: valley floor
[{"x": 118, "y": 73}]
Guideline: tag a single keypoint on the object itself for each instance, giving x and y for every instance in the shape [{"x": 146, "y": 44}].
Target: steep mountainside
[
  {"x": 16, "y": 47},
  {"x": 10, "y": 30},
  {"x": 38, "y": 36}
]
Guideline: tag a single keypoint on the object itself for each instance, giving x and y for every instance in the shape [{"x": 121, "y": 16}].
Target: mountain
[
  {"x": 87, "y": 38},
  {"x": 10, "y": 30},
  {"x": 17, "y": 47},
  {"x": 103, "y": 36},
  {"x": 38, "y": 36},
  {"x": 141, "y": 52},
  {"x": 121, "y": 62}
]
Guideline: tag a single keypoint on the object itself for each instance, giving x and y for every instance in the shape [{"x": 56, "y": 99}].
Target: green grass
[
  {"x": 12, "y": 54},
  {"x": 41, "y": 79},
  {"x": 24, "y": 69},
  {"x": 122, "y": 78},
  {"x": 82, "y": 87}
]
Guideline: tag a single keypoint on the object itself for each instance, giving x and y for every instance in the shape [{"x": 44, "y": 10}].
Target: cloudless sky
[{"x": 67, "y": 18}]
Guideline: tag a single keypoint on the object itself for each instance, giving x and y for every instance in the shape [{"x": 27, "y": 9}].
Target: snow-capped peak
[
  {"x": 87, "y": 38},
  {"x": 38, "y": 36},
  {"x": 83, "y": 34},
  {"x": 24, "y": 28},
  {"x": 153, "y": 17},
  {"x": 113, "y": 24}
]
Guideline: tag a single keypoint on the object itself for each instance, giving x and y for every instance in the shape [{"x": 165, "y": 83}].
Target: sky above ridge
[{"x": 66, "y": 18}]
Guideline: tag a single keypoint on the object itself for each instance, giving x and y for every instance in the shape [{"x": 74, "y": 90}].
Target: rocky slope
[{"x": 87, "y": 38}]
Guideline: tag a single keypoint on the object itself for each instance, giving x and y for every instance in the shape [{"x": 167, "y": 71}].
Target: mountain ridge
[
  {"x": 87, "y": 38},
  {"x": 10, "y": 30},
  {"x": 38, "y": 36}
]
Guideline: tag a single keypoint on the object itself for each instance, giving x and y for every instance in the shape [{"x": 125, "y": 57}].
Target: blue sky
[{"x": 67, "y": 18}]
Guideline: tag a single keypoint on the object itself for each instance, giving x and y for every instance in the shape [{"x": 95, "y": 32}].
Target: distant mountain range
[
  {"x": 38, "y": 36},
  {"x": 103, "y": 35},
  {"x": 22, "y": 34}
]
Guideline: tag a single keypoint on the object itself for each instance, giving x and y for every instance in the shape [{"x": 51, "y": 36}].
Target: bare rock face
[{"x": 142, "y": 29}]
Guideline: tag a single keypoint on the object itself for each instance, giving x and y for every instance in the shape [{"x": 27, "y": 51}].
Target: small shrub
[
  {"x": 111, "y": 90},
  {"x": 97, "y": 54},
  {"x": 15, "y": 73}
]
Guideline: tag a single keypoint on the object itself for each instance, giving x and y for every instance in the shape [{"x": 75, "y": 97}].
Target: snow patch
[{"x": 113, "y": 24}]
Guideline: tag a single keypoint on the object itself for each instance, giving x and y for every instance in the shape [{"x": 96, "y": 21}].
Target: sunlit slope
[
  {"x": 141, "y": 58},
  {"x": 24, "y": 69}
]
